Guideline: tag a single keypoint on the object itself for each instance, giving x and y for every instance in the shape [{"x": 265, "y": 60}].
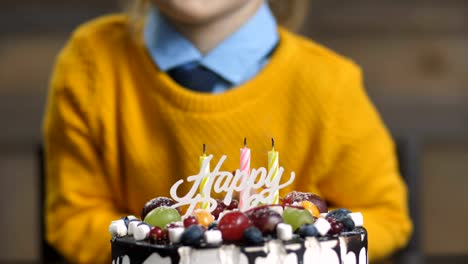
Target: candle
[
  {"x": 203, "y": 158},
  {"x": 245, "y": 169},
  {"x": 273, "y": 165}
]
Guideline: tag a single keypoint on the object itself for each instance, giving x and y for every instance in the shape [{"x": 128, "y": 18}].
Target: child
[{"x": 132, "y": 103}]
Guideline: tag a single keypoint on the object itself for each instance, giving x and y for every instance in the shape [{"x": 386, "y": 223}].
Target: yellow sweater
[{"x": 118, "y": 132}]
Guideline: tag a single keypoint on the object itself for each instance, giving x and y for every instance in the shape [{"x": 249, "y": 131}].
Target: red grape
[
  {"x": 232, "y": 225},
  {"x": 190, "y": 220}
]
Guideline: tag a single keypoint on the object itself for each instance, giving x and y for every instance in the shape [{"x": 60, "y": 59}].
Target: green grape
[
  {"x": 297, "y": 217},
  {"x": 162, "y": 216}
]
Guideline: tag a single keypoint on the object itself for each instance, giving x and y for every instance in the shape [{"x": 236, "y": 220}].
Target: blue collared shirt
[{"x": 236, "y": 59}]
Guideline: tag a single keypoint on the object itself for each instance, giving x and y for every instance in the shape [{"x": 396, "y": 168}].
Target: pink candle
[{"x": 244, "y": 167}]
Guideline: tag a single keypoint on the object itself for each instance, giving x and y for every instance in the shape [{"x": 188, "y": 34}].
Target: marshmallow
[
  {"x": 284, "y": 231},
  {"x": 132, "y": 226},
  {"x": 322, "y": 226},
  {"x": 358, "y": 219},
  {"x": 323, "y": 215},
  {"x": 118, "y": 228},
  {"x": 213, "y": 237},
  {"x": 175, "y": 234},
  {"x": 141, "y": 232},
  {"x": 128, "y": 218}
]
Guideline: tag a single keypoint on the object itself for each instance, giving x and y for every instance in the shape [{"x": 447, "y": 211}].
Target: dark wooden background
[{"x": 414, "y": 56}]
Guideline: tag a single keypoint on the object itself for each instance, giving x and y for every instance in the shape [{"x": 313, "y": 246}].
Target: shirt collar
[{"x": 230, "y": 59}]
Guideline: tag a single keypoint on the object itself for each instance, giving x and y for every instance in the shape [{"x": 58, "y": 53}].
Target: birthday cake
[{"x": 260, "y": 227}]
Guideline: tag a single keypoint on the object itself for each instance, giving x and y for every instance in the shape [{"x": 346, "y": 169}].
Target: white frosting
[
  {"x": 363, "y": 256},
  {"x": 350, "y": 258},
  {"x": 327, "y": 253},
  {"x": 156, "y": 258},
  {"x": 312, "y": 253}
]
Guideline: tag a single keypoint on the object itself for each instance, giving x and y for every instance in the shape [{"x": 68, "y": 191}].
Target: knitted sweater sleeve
[
  {"x": 364, "y": 174},
  {"x": 79, "y": 203}
]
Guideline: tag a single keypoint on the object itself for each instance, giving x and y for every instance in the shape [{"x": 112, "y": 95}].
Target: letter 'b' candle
[{"x": 245, "y": 168}]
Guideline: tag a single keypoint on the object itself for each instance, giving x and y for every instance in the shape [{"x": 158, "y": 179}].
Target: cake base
[{"x": 348, "y": 247}]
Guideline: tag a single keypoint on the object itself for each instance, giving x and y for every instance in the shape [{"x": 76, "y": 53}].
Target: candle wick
[
  {"x": 245, "y": 142},
  {"x": 272, "y": 143},
  {"x": 204, "y": 149}
]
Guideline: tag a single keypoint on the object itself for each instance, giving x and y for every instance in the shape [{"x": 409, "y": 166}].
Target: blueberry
[
  {"x": 253, "y": 235},
  {"x": 128, "y": 220},
  {"x": 348, "y": 223},
  {"x": 338, "y": 214},
  {"x": 213, "y": 226},
  {"x": 192, "y": 235},
  {"x": 308, "y": 230}
]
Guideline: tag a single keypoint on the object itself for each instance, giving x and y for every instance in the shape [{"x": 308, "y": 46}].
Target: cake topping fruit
[
  {"x": 253, "y": 235},
  {"x": 161, "y": 216},
  {"x": 190, "y": 220},
  {"x": 233, "y": 205},
  {"x": 312, "y": 208},
  {"x": 192, "y": 235},
  {"x": 213, "y": 226},
  {"x": 338, "y": 214},
  {"x": 335, "y": 226},
  {"x": 157, "y": 234},
  {"x": 297, "y": 197},
  {"x": 220, "y": 207},
  {"x": 308, "y": 230},
  {"x": 297, "y": 217},
  {"x": 155, "y": 203},
  {"x": 348, "y": 223},
  {"x": 203, "y": 217},
  {"x": 264, "y": 219},
  {"x": 233, "y": 224}
]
